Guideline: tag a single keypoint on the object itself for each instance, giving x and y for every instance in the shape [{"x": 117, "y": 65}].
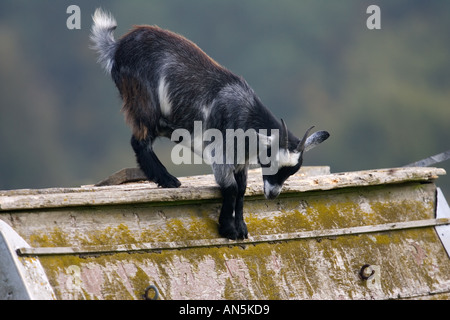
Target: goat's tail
[{"x": 103, "y": 38}]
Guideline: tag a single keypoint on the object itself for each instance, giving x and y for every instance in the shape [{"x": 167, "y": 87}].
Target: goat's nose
[{"x": 271, "y": 193}]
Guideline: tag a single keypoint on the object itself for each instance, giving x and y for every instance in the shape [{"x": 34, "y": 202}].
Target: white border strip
[
  {"x": 21, "y": 278},
  {"x": 443, "y": 212}
]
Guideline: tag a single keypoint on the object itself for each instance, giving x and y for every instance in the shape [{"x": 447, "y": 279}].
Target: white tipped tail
[{"x": 103, "y": 38}]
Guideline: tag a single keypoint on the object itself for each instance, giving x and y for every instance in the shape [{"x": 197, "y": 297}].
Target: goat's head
[{"x": 290, "y": 159}]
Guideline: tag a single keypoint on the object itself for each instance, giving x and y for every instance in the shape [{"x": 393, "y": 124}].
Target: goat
[{"x": 167, "y": 82}]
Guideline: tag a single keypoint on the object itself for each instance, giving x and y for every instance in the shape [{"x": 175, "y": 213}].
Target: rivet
[
  {"x": 366, "y": 272},
  {"x": 146, "y": 296}
]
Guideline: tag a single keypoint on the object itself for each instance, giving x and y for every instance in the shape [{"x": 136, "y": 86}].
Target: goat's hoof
[
  {"x": 228, "y": 231},
  {"x": 241, "y": 230},
  {"x": 169, "y": 182}
]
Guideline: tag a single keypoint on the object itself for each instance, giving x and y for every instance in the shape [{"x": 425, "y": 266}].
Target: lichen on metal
[{"x": 310, "y": 243}]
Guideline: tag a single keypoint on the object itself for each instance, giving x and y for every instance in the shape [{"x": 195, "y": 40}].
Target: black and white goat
[{"x": 167, "y": 82}]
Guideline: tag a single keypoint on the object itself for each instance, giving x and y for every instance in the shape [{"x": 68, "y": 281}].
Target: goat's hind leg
[
  {"x": 228, "y": 187},
  {"x": 149, "y": 163},
  {"x": 241, "y": 227}
]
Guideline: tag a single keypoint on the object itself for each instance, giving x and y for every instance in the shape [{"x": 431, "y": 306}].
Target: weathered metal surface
[
  {"x": 409, "y": 267},
  {"x": 311, "y": 242},
  {"x": 20, "y": 277}
]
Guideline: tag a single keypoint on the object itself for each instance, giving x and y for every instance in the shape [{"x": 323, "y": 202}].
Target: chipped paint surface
[{"x": 409, "y": 263}]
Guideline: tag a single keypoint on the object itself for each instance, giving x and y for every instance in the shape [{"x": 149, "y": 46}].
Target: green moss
[
  {"x": 110, "y": 236},
  {"x": 53, "y": 238},
  {"x": 140, "y": 282},
  {"x": 363, "y": 206}
]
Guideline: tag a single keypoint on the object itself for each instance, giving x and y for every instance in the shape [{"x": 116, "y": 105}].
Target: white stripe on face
[{"x": 288, "y": 158}]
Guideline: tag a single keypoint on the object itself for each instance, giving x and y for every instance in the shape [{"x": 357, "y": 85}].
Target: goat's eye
[{"x": 283, "y": 174}]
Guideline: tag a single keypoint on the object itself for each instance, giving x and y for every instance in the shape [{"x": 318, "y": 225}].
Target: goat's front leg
[
  {"x": 233, "y": 226},
  {"x": 232, "y": 186},
  {"x": 227, "y": 226},
  {"x": 241, "y": 227}
]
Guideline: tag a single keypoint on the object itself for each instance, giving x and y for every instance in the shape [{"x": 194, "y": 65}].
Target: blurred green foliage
[{"x": 384, "y": 95}]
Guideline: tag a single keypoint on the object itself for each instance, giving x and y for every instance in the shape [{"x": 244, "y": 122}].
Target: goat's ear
[{"x": 315, "y": 139}]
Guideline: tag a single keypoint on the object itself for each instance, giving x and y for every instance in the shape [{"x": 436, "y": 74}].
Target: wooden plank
[
  {"x": 202, "y": 188},
  {"x": 123, "y": 176},
  {"x": 128, "y": 175}
]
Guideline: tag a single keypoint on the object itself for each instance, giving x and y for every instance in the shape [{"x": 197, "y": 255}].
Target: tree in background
[{"x": 383, "y": 94}]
